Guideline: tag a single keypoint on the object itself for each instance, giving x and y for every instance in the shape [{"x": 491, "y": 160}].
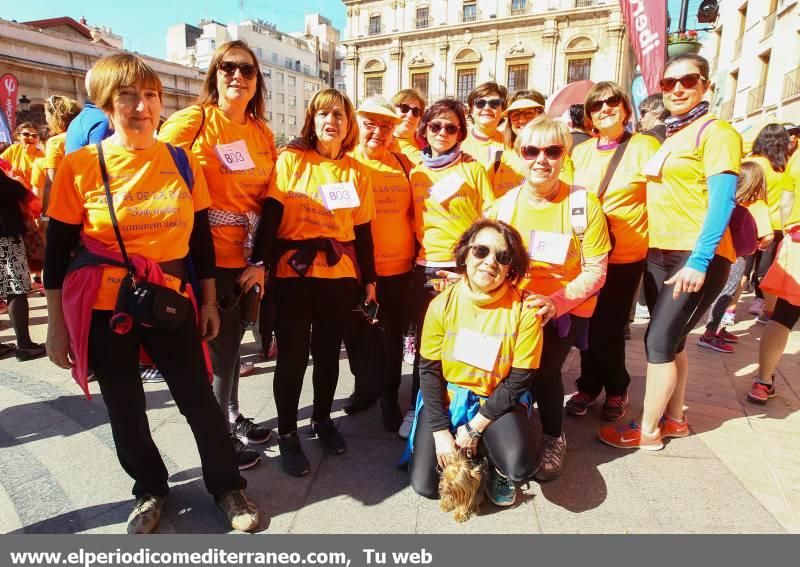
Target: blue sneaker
[{"x": 500, "y": 489}]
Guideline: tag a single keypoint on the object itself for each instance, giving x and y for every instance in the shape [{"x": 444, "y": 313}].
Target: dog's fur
[{"x": 461, "y": 486}]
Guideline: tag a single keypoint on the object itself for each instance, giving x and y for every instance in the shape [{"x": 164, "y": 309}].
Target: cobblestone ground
[{"x": 738, "y": 472}]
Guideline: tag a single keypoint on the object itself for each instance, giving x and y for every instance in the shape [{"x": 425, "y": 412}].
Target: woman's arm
[
  {"x": 62, "y": 238},
  {"x": 787, "y": 203},
  {"x": 505, "y": 396},
  {"x": 365, "y": 254},
  {"x": 271, "y": 217},
  {"x": 201, "y": 249},
  {"x": 589, "y": 282}
]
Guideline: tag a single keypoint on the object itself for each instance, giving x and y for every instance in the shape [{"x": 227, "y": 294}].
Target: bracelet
[{"x": 473, "y": 433}]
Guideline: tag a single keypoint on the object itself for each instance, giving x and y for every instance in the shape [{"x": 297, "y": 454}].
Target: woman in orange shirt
[
  {"x": 227, "y": 133},
  {"x": 409, "y": 106},
  {"x": 59, "y": 111},
  {"x": 22, "y": 155}
]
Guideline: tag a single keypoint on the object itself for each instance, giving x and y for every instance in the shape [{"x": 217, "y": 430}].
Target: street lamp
[{"x": 24, "y": 103}]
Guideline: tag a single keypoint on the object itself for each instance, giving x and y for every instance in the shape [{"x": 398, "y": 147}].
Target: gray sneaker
[
  {"x": 240, "y": 511},
  {"x": 500, "y": 489},
  {"x": 146, "y": 514},
  {"x": 554, "y": 450}
]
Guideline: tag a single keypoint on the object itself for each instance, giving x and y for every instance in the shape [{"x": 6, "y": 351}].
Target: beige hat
[
  {"x": 379, "y": 106},
  {"x": 521, "y": 104}
]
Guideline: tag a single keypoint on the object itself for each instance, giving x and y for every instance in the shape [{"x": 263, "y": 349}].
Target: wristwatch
[{"x": 473, "y": 433}]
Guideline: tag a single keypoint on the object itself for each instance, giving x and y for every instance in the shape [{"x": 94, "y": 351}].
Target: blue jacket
[{"x": 89, "y": 127}]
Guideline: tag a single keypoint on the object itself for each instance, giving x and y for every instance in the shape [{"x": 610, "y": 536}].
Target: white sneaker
[
  {"x": 405, "y": 427},
  {"x": 756, "y": 307},
  {"x": 642, "y": 312},
  {"x": 728, "y": 320}
]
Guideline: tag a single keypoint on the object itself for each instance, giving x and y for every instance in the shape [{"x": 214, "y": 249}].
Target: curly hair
[
  {"x": 59, "y": 111},
  {"x": 772, "y": 143},
  {"x": 513, "y": 240}
]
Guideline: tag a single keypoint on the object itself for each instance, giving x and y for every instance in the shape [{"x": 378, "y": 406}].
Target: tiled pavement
[{"x": 739, "y": 472}]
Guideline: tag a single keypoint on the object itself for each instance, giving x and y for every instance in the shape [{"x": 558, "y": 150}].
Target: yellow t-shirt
[
  {"x": 153, "y": 206},
  {"x": 625, "y": 200},
  {"x": 21, "y": 161},
  {"x": 298, "y": 183},
  {"x": 677, "y": 197},
  {"x": 547, "y": 277},
  {"x": 483, "y": 149},
  {"x": 38, "y": 176},
  {"x": 793, "y": 184},
  {"x": 232, "y": 190},
  {"x": 446, "y": 203},
  {"x": 408, "y": 148},
  {"x": 54, "y": 150},
  {"x": 760, "y": 212},
  {"x": 393, "y": 225},
  {"x": 513, "y": 330},
  {"x": 777, "y": 182}
]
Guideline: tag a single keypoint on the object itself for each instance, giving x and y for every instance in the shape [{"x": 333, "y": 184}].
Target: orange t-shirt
[
  {"x": 483, "y": 149},
  {"x": 54, "y": 150},
  {"x": 393, "y": 225},
  {"x": 232, "y": 188},
  {"x": 153, "y": 206},
  {"x": 21, "y": 161},
  {"x": 301, "y": 178}
]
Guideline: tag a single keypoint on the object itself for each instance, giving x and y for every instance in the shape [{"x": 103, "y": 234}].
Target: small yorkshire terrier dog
[{"x": 461, "y": 486}]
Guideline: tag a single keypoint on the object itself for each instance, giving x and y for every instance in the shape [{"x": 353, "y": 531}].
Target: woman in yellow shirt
[
  {"x": 409, "y": 106},
  {"x": 480, "y": 347},
  {"x": 22, "y": 155},
  {"x": 59, "y": 111},
  {"x": 622, "y": 192},
  {"x": 565, "y": 232},
  {"x": 486, "y": 105},
  {"x": 317, "y": 237},
  {"x": 227, "y": 133},
  {"x": 691, "y": 188}
]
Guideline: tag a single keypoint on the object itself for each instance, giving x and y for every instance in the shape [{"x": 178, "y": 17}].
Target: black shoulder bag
[{"x": 147, "y": 303}]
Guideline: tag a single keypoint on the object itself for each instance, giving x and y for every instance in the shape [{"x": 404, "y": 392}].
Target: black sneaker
[
  {"x": 293, "y": 458},
  {"x": 352, "y": 405},
  {"x": 392, "y": 415},
  {"x": 150, "y": 374},
  {"x": 246, "y": 458},
  {"x": 331, "y": 439},
  {"x": 249, "y": 432}
]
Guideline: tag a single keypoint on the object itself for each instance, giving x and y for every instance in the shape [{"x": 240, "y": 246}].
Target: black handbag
[{"x": 149, "y": 304}]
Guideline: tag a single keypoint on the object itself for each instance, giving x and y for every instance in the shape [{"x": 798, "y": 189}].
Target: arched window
[
  {"x": 373, "y": 77},
  {"x": 579, "y": 54}
]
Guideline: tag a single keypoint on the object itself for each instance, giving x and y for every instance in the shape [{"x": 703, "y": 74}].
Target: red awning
[{"x": 574, "y": 93}]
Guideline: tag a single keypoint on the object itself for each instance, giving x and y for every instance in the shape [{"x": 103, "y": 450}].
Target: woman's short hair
[
  {"x": 409, "y": 95},
  {"x": 699, "y": 61},
  {"x": 602, "y": 91},
  {"x": 24, "y": 126},
  {"x": 544, "y": 127},
  {"x": 512, "y": 238},
  {"x": 772, "y": 143},
  {"x": 325, "y": 99},
  {"x": 486, "y": 89},
  {"x": 209, "y": 93},
  {"x": 438, "y": 108},
  {"x": 111, "y": 73},
  {"x": 59, "y": 111}
]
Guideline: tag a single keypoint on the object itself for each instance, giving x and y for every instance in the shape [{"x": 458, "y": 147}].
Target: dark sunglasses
[
  {"x": 480, "y": 251},
  {"x": 687, "y": 82},
  {"x": 494, "y": 103},
  {"x": 28, "y": 135},
  {"x": 612, "y": 101},
  {"x": 550, "y": 152},
  {"x": 436, "y": 127},
  {"x": 248, "y": 70},
  {"x": 404, "y": 108}
]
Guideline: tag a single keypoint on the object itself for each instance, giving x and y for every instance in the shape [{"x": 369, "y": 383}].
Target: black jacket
[{"x": 12, "y": 193}]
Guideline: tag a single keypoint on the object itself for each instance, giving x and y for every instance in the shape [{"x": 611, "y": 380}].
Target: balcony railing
[
  {"x": 519, "y": 8},
  {"x": 769, "y": 24},
  {"x": 737, "y": 47},
  {"x": 755, "y": 98},
  {"x": 471, "y": 16},
  {"x": 422, "y": 23},
  {"x": 726, "y": 110},
  {"x": 791, "y": 83}
]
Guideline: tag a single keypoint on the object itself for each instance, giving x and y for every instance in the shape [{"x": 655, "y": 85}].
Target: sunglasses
[
  {"x": 248, "y": 70},
  {"x": 687, "y": 82},
  {"x": 480, "y": 251},
  {"x": 494, "y": 103},
  {"x": 612, "y": 102},
  {"x": 28, "y": 135},
  {"x": 550, "y": 152},
  {"x": 526, "y": 114},
  {"x": 436, "y": 127},
  {"x": 404, "y": 108},
  {"x": 372, "y": 126}
]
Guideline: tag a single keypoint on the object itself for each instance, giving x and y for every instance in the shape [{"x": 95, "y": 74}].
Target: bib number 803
[
  {"x": 234, "y": 157},
  {"x": 339, "y": 195}
]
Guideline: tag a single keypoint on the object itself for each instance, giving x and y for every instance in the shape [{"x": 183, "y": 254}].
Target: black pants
[
  {"x": 507, "y": 442},
  {"x": 226, "y": 347},
  {"x": 671, "y": 320},
  {"x": 785, "y": 313},
  {"x": 424, "y": 293},
  {"x": 178, "y": 355},
  {"x": 763, "y": 261},
  {"x": 303, "y": 303},
  {"x": 603, "y": 363},
  {"x": 548, "y": 388}
]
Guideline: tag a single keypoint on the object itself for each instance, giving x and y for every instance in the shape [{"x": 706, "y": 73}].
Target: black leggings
[
  {"x": 303, "y": 303},
  {"x": 785, "y": 313},
  {"x": 507, "y": 442},
  {"x": 671, "y": 320},
  {"x": 178, "y": 355},
  {"x": 19, "y": 312},
  {"x": 763, "y": 260},
  {"x": 423, "y": 293},
  {"x": 603, "y": 363}
]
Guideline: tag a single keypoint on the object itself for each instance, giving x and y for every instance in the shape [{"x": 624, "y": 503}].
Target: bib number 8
[
  {"x": 234, "y": 157},
  {"x": 339, "y": 195}
]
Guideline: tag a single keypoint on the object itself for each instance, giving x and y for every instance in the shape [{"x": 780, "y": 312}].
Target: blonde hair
[
  {"x": 325, "y": 99},
  {"x": 752, "y": 184},
  {"x": 112, "y": 73},
  {"x": 406, "y": 95},
  {"x": 545, "y": 129},
  {"x": 460, "y": 486},
  {"x": 59, "y": 111}
]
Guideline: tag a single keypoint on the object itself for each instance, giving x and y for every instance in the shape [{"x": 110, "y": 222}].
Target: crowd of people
[{"x": 497, "y": 237}]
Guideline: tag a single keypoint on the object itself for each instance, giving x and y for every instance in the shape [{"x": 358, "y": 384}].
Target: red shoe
[
  {"x": 714, "y": 342},
  {"x": 3, "y": 307},
  {"x": 761, "y": 392},
  {"x": 727, "y": 337},
  {"x": 671, "y": 427},
  {"x": 629, "y": 437}
]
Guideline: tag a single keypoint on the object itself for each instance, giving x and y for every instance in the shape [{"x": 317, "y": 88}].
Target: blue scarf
[
  {"x": 676, "y": 123},
  {"x": 441, "y": 161}
]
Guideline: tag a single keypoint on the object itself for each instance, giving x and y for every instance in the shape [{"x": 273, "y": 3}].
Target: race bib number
[
  {"x": 653, "y": 167},
  {"x": 235, "y": 156},
  {"x": 339, "y": 195},
  {"x": 476, "y": 349},
  {"x": 550, "y": 247},
  {"x": 447, "y": 187}
]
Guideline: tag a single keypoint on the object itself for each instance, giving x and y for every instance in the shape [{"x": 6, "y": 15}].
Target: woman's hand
[
  {"x": 765, "y": 241},
  {"x": 209, "y": 321},
  {"x": 686, "y": 280},
  {"x": 445, "y": 444},
  {"x": 58, "y": 344},
  {"x": 251, "y": 276},
  {"x": 448, "y": 278},
  {"x": 546, "y": 307},
  {"x": 371, "y": 293},
  {"x": 465, "y": 442}
]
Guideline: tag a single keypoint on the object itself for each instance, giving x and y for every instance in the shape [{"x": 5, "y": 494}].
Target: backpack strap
[
  {"x": 497, "y": 157},
  {"x": 700, "y": 132},
  {"x": 578, "y": 217},
  {"x": 402, "y": 165},
  {"x": 182, "y": 163},
  {"x": 202, "y": 123},
  {"x": 613, "y": 164},
  {"x": 507, "y": 204}
]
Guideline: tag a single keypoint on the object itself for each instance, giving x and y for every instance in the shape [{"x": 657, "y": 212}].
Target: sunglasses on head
[
  {"x": 550, "y": 152},
  {"x": 248, "y": 70},
  {"x": 404, "y": 108},
  {"x": 493, "y": 103},
  {"x": 612, "y": 101},
  {"x": 687, "y": 82},
  {"x": 436, "y": 127},
  {"x": 481, "y": 251}
]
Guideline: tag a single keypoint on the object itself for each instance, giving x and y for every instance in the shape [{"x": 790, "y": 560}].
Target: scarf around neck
[
  {"x": 440, "y": 161},
  {"x": 676, "y": 123}
]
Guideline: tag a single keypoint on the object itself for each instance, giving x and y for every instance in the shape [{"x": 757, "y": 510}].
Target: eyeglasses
[
  {"x": 28, "y": 135},
  {"x": 436, "y": 127},
  {"x": 526, "y": 114},
  {"x": 550, "y": 152},
  {"x": 689, "y": 81},
  {"x": 612, "y": 102},
  {"x": 494, "y": 103},
  {"x": 480, "y": 251},
  {"x": 372, "y": 126},
  {"x": 248, "y": 70},
  {"x": 404, "y": 108}
]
